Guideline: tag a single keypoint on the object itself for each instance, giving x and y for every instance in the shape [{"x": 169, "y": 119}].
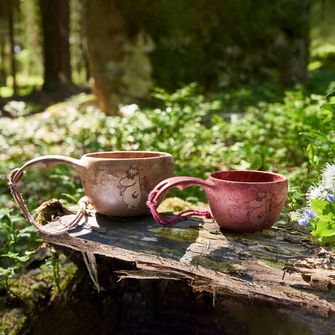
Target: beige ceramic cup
[{"x": 116, "y": 183}]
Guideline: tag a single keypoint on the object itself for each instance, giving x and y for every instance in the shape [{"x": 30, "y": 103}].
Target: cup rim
[
  {"x": 280, "y": 178},
  {"x": 126, "y": 155}
]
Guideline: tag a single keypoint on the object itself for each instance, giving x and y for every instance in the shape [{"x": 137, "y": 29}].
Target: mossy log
[{"x": 279, "y": 267}]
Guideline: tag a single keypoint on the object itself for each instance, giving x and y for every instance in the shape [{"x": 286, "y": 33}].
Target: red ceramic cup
[{"x": 242, "y": 201}]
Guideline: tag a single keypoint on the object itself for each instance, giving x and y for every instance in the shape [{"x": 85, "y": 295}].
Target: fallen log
[{"x": 279, "y": 267}]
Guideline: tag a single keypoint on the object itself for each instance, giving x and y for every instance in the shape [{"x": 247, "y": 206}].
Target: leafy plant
[
  {"x": 319, "y": 215},
  {"x": 15, "y": 245},
  {"x": 54, "y": 263},
  {"x": 293, "y": 136}
]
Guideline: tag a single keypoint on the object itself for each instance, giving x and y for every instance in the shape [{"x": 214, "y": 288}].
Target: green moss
[
  {"x": 11, "y": 321},
  {"x": 181, "y": 235},
  {"x": 206, "y": 262},
  {"x": 174, "y": 205},
  {"x": 28, "y": 290},
  {"x": 39, "y": 284},
  {"x": 186, "y": 235},
  {"x": 50, "y": 210},
  {"x": 172, "y": 252}
]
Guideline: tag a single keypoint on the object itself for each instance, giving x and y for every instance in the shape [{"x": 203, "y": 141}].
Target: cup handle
[
  {"x": 160, "y": 190},
  {"x": 48, "y": 161}
]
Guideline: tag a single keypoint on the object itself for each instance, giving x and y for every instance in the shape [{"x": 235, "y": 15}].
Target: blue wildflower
[
  {"x": 303, "y": 222},
  {"x": 331, "y": 197},
  {"x": 309, "y": 214}
]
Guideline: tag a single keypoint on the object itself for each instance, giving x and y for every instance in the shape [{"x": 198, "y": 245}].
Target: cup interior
[
  {"x": 127, "y": 154},
  {"x": 244, "y": 176}
]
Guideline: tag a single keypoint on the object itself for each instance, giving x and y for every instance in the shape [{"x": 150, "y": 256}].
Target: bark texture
[
  {"x": 119, "y": 63},
  {"x": 10, "y": 5},
  {"x": 55, "y": 15},
  {"x": 278, "y": 267}
]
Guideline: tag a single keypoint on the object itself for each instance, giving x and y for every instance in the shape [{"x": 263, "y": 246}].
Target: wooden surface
[{"x": 278, "y": 266}]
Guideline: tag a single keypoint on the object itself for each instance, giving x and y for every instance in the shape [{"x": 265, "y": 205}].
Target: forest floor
[{"x": 39, "y": 100}]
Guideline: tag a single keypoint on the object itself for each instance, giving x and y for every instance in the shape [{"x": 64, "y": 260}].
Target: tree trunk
[
  {"x": 292, "y": 49},
  {"x": 103, "y": 54},
  {"x": 56, "y": 47},
  {"x": 119, "y": 63},
  {"x": 3, "y": 74},
  {"x": 12, "y": 44}
]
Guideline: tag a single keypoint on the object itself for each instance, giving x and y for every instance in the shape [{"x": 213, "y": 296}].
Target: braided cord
[{"x": 14, "y": 177}]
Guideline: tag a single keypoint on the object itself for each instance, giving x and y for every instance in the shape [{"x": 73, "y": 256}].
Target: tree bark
[
  {"x": 119, "y": 62},
  {"x": 55, "y": 15},
  {"x": 277, "y": 266},
  {"x": 105, "y": 43},
  {"x": 3, "y": 74},
  {"x": 12, "y": 44},
  {"x": 292, "y": 49}
]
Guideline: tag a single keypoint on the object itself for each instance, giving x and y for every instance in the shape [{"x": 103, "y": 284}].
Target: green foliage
[
  {"x": 321, "y": 148},
  {"x": 319, "y": 215},
  {"x": 289, "y": 136},
  {"x": 53, "y": 262},
  {"x": 324, "y": 223},
  {"x": 292, "y": 136},
  {"x": 220, "y": 43},
  {"x": 14, "y": 245}
]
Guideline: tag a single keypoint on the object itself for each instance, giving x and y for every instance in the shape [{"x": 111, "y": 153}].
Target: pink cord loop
[{"x": 160, "y": 190}]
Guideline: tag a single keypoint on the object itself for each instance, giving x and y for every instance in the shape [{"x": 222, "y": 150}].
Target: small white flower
[
  {"x": 15, "y": 107},
  {"x": 128, "y": 110},
  {"x": 297, "y": 215},
  {"x": 328, "y": 177},
  {"x": 316, "y": 192}
]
